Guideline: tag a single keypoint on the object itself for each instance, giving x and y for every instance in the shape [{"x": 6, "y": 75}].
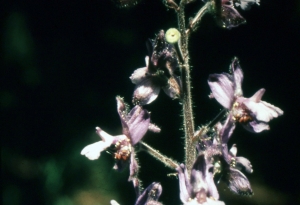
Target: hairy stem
[
  {"x": 190, "y": 151},
  {"x": 155, "y": 153},
  {"x": 193, "y": 23}
]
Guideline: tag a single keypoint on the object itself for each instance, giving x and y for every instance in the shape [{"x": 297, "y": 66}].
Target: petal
[
  {"x": 242, "y": 162},
  {"x": 150, "y": 194},
  {"x": 154, "y": 128},
  {"x": 238, "y": 77},
  {"x": 138, "y": 124},
  {"x": 256, "y": 126},
  {"x": 246, "y": 4},
  {"x": 238, "y": 182},
  {"x": 145, "y": 92},
  {"x": 229, "y": 17},
  {"x": 222, "y": 89},
  {"x": 263, "y": 111},
  {"x": 93, "y": 151},
  {"x": 113, "y": 202},
  {"x": 172, "y": 89},
  {"x": 184, "y": 184},
  {"x": 134, "y": 167},
  {"x": 213, "y": 202},
  {"x": 122, "y": 108},
  {"x": 258, "y": 95},
  {"x": 107, "y": 138},
  {"x": 233, "y": 150},
  {"x": 139, "y": 75},
  {"x": 227, "y": 129}
]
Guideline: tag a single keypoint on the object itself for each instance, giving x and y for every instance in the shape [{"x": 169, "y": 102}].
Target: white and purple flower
[
  {"x": 199, "y": 188},
  {"x": 253, "y": 113},
  {"x": 159, "y": 73},
  {"x": 135, "y": 125}
]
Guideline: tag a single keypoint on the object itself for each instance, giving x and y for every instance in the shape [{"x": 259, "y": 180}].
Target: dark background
[{"x": 63, "y": 63}]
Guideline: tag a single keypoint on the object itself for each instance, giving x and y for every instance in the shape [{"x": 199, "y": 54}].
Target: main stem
[{"x": 190, "y": 151}]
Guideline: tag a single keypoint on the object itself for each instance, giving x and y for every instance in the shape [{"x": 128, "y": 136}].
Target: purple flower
[
  {"x": 226, "y": 14},
  {"x": 225, "y": 163},
  {"x": 135, "y": 125},
  {"x": 253, "y": 113},
  {"x": 199, "y": 188},
  {"x": 161, "y": 66}
]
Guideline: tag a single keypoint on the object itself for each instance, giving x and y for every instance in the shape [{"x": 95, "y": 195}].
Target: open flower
[
  {"x": 199, "y": 188},
  {"x": 161, "y": 66},
  {"x": 135, "y": 125},
  {"x": 253, "y": 113}
]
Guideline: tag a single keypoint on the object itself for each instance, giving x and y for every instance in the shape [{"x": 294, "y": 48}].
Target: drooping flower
[
  {"x": 135, "y": 125},
  {"x": 160, "y": 72},
  {"x": 253, "y": 113},
  {"x": 199, "y": 188},
  {"x": 226, "y": 14},
  {"x": 226, "y": 164},
  {"x": 149, "y": 196}
]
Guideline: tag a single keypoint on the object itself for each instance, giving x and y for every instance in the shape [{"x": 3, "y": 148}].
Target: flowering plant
[{"x": 207, "y": 157}]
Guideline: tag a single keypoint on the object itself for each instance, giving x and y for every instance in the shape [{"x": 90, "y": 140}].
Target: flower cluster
[{"x": 209, "y": 157}]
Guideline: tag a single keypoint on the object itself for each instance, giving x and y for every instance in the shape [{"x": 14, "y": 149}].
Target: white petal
[
  {"x": 263, "y": 111},
  {"x": 107, "y": 138},
  {"x": 138, "y": 75},
  {"x": 93, "y": 151},
  {"x": 145, "y": 92},
  {"x": 113, "y": 202}
]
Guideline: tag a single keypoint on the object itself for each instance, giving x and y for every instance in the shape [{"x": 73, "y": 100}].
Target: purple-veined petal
[
  {"x": 145, "y": 92},
  {"x": 138, "y": 124},
  {"x": 238, "y": 182},
  {"x": 184, "y": 184},
  {"x": 262, "y": 110},
  {"x": 242, "y": 162},
  {"x": 222, "y": 89},
  {"x": 255, "y": 126}
]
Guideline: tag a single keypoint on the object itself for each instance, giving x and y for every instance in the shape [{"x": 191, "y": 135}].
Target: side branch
[
  {"x": 193, "y": 22},
  {"x": 154, "y": 153}
]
